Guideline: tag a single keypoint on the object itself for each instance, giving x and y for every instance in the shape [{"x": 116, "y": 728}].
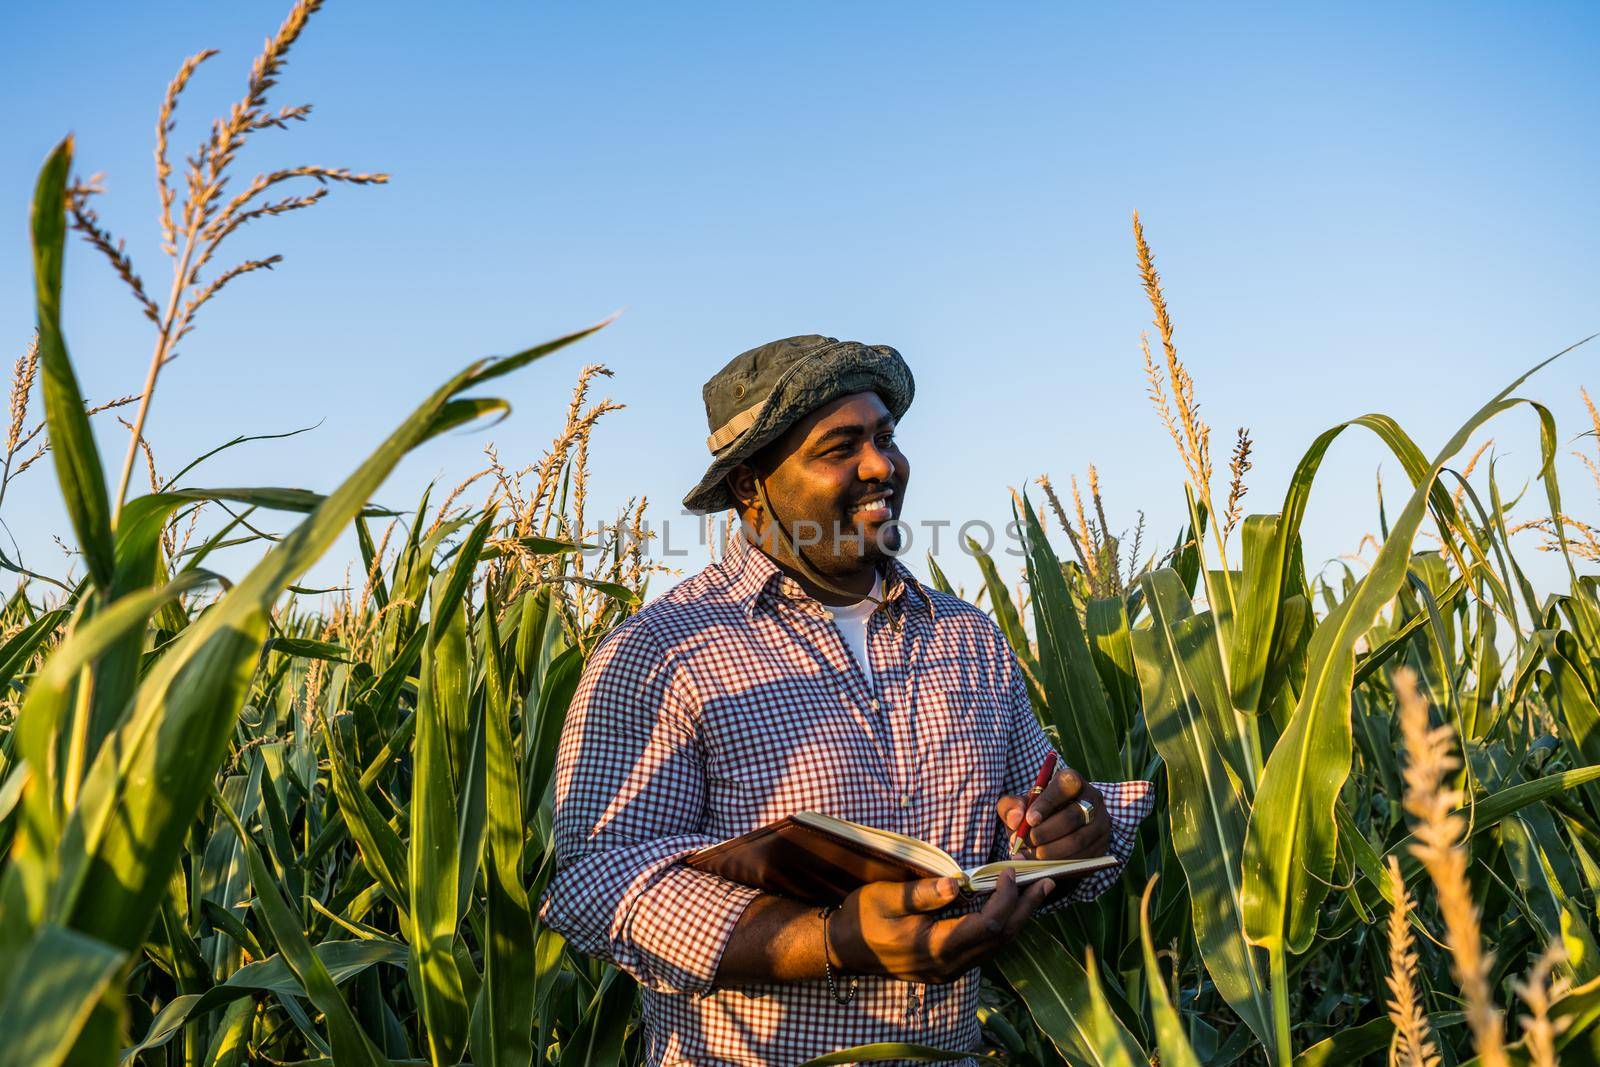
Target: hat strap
[
  {"x": 806, "y": 568},
  {"x": 735, "y": 426}
]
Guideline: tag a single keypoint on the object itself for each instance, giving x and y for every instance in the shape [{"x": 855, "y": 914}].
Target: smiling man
[{"x": 808, "y": 670}]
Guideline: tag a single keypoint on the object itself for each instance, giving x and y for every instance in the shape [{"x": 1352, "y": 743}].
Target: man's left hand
[{"x": 1057, "y": 826}]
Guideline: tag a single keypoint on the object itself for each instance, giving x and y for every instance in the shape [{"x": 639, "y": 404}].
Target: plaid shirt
[{"x": 731, "y": 701}]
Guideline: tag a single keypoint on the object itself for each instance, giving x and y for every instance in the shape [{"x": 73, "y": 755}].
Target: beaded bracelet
[{"x": 827, "y": 960}]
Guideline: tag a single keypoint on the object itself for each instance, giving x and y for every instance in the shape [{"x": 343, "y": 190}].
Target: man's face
[{"x": 835, "y": 479}]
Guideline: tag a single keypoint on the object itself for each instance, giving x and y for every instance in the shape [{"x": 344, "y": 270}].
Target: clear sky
[{"x": 1355, "y": 207}]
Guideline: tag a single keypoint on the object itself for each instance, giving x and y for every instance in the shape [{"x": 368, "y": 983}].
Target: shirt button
[{"x": 905, "y": 801}]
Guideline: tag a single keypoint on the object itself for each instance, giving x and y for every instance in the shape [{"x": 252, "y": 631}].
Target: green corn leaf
[
  {"x": 1547, "y": 882},
  {"x": 538, "y": 546},
  {"x": 503, "y": 1023},
  {"x": 308, "y": 649},
  {"x": 458, "y": 413},
  {"x": 1289, "y": 847},
  {"x": 597, "y": 1041},
  {"x": 350, "y": 1043},
  {"x": 1106, "y": 626},
  {"x": 439, "y": 780},
  {"x": 273, "y": 498},
  {"x": 67, "y": 975},
  {"x": 1061, "y": 999},
  {"x": 138, "y": 566},
  {"x": 1171, "y": 1042},
  {"x": 1571, "y": 697},
  {"x": 1260, "y": 588},
  {"x": 222, "y": 876},
  {"x": 1349, "y": 1045},
  {"x": 1114, "y": 1045},
  {"x": 1005, "y": 610},
  {"x": 19, "y": 648},
  {"x": 560, "y": 683},
  {"x": 1271, "y": 542},
  {"x": 1184, "y": 703},
  {"x": 72, "y": 446},
  {"x": 877, "y": 1052},
  {"x": 31, "y": 877},
  {"x": 381, "y": 850},
  {"x": 1075, "y": 704},
  {"x": 151, "y": 776},
  {"x": 1395, "y": 642},
  {"x": 342, "y": 960},
  {"x": 1482, "y": 817},
  {"x": 615, "y": 590}
]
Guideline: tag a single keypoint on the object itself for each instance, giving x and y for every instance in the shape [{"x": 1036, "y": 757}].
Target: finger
[
  {"x": 992, "y": 916},
  {"x": 1061, "y": 789},
  {"x": 1010, "y": 811},
  {"x": 1069, "y": 819},
  {"x": 967, "y": 937},
  {"x": 1030, "y": 903},
  {"x": 1083, "y": 843},
  {"x": 929, "y": 894},
  {"x": 1070, "y": 816},
  {"x": 1003, "y": 898}
]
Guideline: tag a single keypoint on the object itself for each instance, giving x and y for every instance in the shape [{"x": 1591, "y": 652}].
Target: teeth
[{"x": 870, "y": 506}]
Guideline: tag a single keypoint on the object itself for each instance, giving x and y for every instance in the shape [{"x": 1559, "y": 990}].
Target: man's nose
[{"x": 875, "y": 465}]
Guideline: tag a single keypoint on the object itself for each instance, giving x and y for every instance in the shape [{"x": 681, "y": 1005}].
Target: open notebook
[{"x": 820, "y": 859}]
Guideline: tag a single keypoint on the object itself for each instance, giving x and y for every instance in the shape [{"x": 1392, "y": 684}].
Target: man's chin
[{"x": 879, "y": 539}]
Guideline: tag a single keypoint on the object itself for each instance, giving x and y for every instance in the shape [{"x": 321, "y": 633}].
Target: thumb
[{"x": 931, "y": 894}]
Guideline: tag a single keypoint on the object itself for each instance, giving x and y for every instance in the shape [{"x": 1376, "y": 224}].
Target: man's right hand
[{"x": 887, "y": 928}]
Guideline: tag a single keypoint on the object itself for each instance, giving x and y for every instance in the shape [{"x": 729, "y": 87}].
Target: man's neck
[
  {"x": 759, "y": 537},
  {"x": 859, "y": 582}
]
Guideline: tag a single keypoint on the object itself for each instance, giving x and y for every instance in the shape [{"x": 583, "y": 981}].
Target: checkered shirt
[{"x": 731, "y": 701}]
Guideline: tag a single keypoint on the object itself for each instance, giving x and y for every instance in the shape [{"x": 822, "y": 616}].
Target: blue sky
[{"x": 1355, "y": 207}]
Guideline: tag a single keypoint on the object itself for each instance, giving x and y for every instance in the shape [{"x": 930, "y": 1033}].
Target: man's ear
[{"x": 742, "y": 484}]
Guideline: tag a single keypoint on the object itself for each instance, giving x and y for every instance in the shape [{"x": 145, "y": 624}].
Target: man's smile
[{"x": 873, "y": 506}]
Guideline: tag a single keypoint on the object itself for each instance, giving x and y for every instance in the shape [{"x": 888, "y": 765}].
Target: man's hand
[
  {"x": 887, "y": 928},
  {"x": 1056, "y": 828}
]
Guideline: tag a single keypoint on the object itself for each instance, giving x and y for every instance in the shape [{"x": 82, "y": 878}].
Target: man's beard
[{"x": 845, "y": 549}]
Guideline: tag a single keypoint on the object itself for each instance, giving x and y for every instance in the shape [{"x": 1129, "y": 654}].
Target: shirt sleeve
[
  {"x": 1126, "y": 802},
  {"x": 629, "y": 805}
]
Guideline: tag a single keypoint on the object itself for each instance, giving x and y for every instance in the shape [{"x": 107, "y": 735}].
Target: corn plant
[
  {"x": 1297, "y": 817},
  {"x": 242, "y": 825}
]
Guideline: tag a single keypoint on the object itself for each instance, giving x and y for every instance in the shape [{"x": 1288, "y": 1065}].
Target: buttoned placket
[
  {"x": 901, "y": 776},
  {"x": 904, "y": 774},
  {"x": 872, "y": 710},
  {"x": 898, "y": 720}
]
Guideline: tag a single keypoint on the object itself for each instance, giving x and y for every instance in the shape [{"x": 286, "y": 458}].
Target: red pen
[{"x": 1027, "y": 802}]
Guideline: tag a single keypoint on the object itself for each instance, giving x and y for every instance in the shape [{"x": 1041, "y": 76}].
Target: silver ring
[{"x": 1088, "y": 809}]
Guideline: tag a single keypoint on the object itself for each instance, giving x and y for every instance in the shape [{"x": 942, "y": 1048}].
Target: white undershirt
[{"x": 851, "y": 619}]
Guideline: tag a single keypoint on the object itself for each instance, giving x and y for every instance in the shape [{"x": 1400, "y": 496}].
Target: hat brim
[{"x": 877, "y": 368}]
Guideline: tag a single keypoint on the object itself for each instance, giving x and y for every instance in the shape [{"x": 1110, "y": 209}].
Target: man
[{"x": 808, "y": 670}]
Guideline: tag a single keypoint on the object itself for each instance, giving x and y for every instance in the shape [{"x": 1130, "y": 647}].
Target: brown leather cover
[{"x": 803, "y": 863}]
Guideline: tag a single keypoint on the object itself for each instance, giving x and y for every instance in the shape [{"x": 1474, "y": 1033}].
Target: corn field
[{"x": 245, "y": 825}]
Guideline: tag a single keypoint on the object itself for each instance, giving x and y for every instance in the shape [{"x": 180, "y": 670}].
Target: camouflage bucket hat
[{"x": 763, "y": 392}]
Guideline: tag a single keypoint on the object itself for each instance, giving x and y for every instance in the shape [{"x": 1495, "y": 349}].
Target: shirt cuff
[
  {"x": 1127, "y": 803},
  {"x": 683, "y": 925}
]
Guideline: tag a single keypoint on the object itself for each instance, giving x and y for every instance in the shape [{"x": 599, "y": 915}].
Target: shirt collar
[{"x": 753, "y": 577}]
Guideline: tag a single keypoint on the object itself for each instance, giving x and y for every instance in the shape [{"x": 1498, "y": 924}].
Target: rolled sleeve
[
  {"x": 629, "y": 805},
  {"x": 1127, "y": 803}
]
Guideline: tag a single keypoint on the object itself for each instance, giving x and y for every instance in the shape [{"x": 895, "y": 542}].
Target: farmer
[{"x": 808, "y": 670}]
